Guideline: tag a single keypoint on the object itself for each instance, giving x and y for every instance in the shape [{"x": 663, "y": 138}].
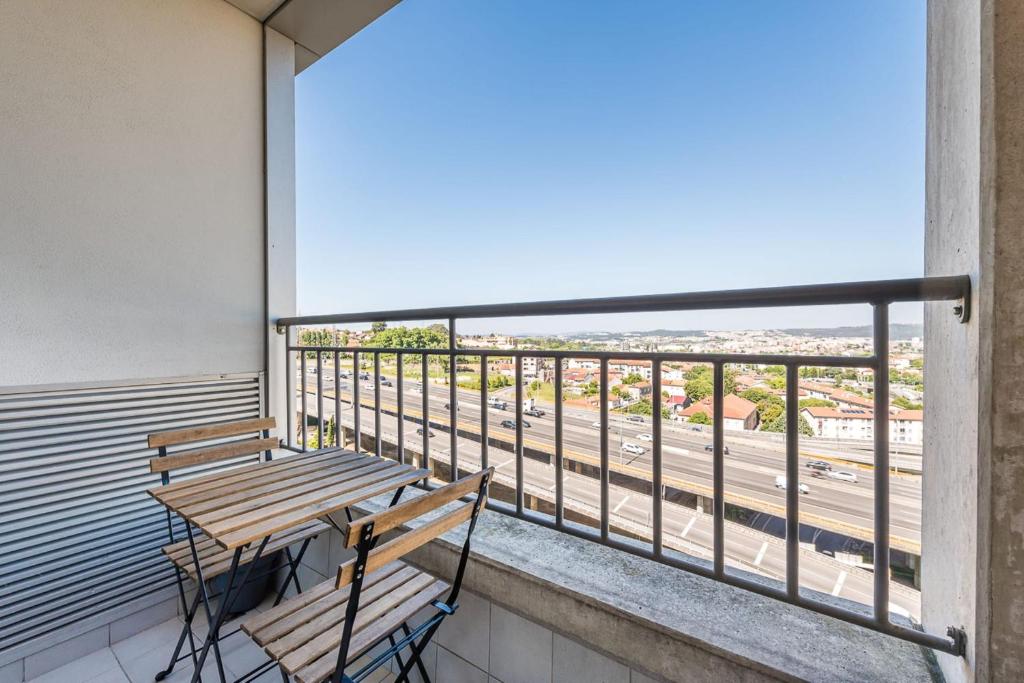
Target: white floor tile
[{"x": 84, "y": 669}]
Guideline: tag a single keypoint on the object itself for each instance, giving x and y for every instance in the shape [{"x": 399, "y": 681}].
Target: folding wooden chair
[
  {"x": 317, "y": 635},
  {"x": 212, "y": 560}
]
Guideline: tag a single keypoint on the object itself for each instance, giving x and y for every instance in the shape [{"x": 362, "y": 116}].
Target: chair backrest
[
  {"x": 366, "y": 529},
  {"x": 186, "y": 458}
]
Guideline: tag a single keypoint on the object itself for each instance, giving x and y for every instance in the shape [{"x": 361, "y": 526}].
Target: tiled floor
[{"x": 137, "y": 659}]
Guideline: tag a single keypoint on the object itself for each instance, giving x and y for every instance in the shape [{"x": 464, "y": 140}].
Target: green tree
[
  {"x": 633, "y": 378},
  {"x": 700, "y": 382},
  {"x": 775, "y": 370},
  {"x": 776, "y": 382},
  {"x": 700, "y": 419},
  {"x": 906, "y": 403},
  {"x": 590, "y": 388},
  {"x": 378, "y": 326},
  {"x": 816, "y": 403}
]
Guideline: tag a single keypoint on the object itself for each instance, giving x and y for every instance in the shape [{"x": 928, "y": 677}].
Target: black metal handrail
[{"x": 878, "y": 294}]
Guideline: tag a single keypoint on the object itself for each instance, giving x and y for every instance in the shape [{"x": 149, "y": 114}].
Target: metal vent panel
[{"x": 79, "y": 532}]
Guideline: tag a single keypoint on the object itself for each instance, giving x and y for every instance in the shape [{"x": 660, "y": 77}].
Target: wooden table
[{"x": 246, "y": 505}]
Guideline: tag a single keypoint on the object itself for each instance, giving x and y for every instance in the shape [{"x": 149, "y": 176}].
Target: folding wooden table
[{"x": 244, "y": 511}]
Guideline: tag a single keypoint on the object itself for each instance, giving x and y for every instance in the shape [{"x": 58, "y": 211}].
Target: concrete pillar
[
  {"x": 279, "y": 60},
  {"x": 973, "y": 522}
]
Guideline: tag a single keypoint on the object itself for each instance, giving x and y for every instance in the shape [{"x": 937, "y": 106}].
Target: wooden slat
[
  {"x": 170, "y": 493},
  {"x": 272, "y": 521},
  {"x": 315, "y": 622},
  {"x": 240, "y": 514},
  {"x": 265, "y": 627},
  {"x": 330, "y": 639},
  {"x": 179, "y": 436},
  {"x": 376, "y": 626},
  {"x": 199, "y": 456},
  {"x": 297, "y": 483},
  {"x": 407, "y": 542},
  {"x": 387, "y": 520},
  {"x": 216, "y": 561}
]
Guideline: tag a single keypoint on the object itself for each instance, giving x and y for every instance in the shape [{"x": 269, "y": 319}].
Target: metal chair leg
[
  {"x": 419, "y": 662},
  {"x": 186, "y": 630},
  {"x": 417, "y": 651}
]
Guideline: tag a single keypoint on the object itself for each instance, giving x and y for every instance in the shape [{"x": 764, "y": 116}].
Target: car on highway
[
  {"x": 645, "y": 437},
  {"x": 368, "y": 386},
  {"x": 364, "y": 375},
  {"x": 696, "y": 429},
  {"x": 496, "y": 403},
  {"x": 597, "y": 425},
  {"x": 344, "y": 374},
  {"x": 843, "y": 476},
  {"x": 780, "y": 483},
  {"x": 633, "y": 448},
  {"x": 711, "y": 449},
  {"x": 534, "y": 412},
  {"x": 819, "y": 465},
  {"x": 634, "y": 418},
  {"x": 385, "y": 382},
  {"x": 419, "y": 431},
  {"x": 511, "y": 424},
  {"x": 448, "y": 406}
]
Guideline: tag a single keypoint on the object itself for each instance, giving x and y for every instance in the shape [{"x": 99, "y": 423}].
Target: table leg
[{"x": 215, "y": 621}]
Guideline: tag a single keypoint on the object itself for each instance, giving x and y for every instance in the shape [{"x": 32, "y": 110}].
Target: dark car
[
  {"x": 385, "y": 383},
  {"x": 364, "y": 375},
  {"x": 419, "y": 431},
  {"x": 634, "y": 418},
  {"x": 711, "y": 449},
  {"x": 534, "y": 412},
  {"x": 448, "y": 406},
  {"x": 819, "y": 465},
  {"x": 511, "y": 424}
]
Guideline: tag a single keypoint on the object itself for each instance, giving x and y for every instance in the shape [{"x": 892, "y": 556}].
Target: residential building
[{"x": 738, "y": 413}]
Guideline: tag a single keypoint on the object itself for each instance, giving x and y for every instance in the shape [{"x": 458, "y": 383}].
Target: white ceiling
[{"x": 316, "y": 26}]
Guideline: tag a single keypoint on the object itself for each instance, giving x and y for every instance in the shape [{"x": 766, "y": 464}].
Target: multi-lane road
[{"x": 750, "y": 473}]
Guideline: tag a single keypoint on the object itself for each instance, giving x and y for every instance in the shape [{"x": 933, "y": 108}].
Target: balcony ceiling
[{"x": 316, "y": 26}]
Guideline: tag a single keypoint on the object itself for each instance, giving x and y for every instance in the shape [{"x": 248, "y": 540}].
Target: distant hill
[{"x": 896, "y": 331}]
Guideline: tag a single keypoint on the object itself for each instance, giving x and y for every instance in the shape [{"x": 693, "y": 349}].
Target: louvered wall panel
[{"x": 78, "y": 533}]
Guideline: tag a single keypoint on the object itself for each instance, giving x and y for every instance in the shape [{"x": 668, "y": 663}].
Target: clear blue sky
[{"x": 479, "y": 151}]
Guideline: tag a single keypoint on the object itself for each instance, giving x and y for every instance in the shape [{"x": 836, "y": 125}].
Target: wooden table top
[{"x": 245, "y": 504}]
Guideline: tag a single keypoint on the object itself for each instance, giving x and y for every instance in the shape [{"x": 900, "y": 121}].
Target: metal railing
[{"x": 878, "y": 294}]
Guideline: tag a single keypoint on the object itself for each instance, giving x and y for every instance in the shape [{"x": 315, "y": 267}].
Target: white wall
[{"x": 131, "y": 190}]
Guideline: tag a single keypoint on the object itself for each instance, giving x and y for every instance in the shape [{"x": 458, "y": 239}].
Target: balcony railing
[{"x": 878, "y": 294}]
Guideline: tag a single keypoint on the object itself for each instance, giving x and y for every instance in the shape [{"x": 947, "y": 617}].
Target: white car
[
  {"x": 780, "y": 483},
  {"x": 843, "y": 476},
  {"x": 645, "y": 437},
  {"x": 634, "y": 449}
]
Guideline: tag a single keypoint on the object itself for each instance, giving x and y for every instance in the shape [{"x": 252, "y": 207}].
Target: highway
[
  {"x": 750, "y": 468},
  {"x": 685, "y": 529}
]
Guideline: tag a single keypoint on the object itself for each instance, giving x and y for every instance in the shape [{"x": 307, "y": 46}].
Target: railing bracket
[
  {"x": 959, "y": 636},
  {"x": 962, "y": 310},
  {"x": 282, "y": 329}
]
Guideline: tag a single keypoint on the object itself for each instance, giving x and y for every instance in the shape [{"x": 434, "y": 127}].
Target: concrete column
[
  {"x": 973, "y": 523},
  {"x": 279, "y": 58}
]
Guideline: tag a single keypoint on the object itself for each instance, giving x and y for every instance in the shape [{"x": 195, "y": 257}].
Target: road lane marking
[
  {"x": 839, "y": 583},
  {"x": 760, "y": 554},
  {"x": 552, "y": 487},
  {"x": 621, "y": 503},
  {"x": 507, "y": 462},
  {"x": 689, "y": 525}
]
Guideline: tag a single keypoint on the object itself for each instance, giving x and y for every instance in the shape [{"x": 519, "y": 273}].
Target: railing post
[
  {"x": 302, "y": 384},
  {"x": 718, "y": 468},
  {"x": 881, "y": 344},
  {"x": 289, "y": 387},
  {"x": 453, "y": 400},
  {"x": 337, "y": 401},
  {"x": 559, "y": 472},
  {"x": 378, "y": 441},
  {"x": 320, "y": 399},
  {"x": 656, "y": 465},
  {"x": 425, "y": 386},
  {"x": 483, "y": 412},
  {"x": 605, "y": 464},
  {"x": 357, "y": 406},
  {"x": 400, "y": 387},
  {"x": 519, "y": 435},
  {"x": 792, "y": 482}
]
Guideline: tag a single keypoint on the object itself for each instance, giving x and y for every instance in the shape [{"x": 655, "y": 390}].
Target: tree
[
  {"x": 700, "y": 419},
  {"x": 778, "y": 424},
  {"x": 590, "y": 388},
  {"x": 777, "y": 382},
  {"x": 700, "y": 382},
  {"x": 775, "y": 370},
  {"x": 906, "y": 403},
  {"x": 644, "y": 407},
  {"x": 633, "y": 378},
  {"x": 816, "y": 403},
  {"x": 378, "y": 326}
]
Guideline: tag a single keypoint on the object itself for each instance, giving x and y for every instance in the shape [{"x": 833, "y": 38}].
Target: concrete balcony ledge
[{"x": 663, "y": 622}]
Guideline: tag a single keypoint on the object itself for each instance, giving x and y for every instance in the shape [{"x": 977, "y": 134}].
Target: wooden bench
[{"x": 314, "y": 636}]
